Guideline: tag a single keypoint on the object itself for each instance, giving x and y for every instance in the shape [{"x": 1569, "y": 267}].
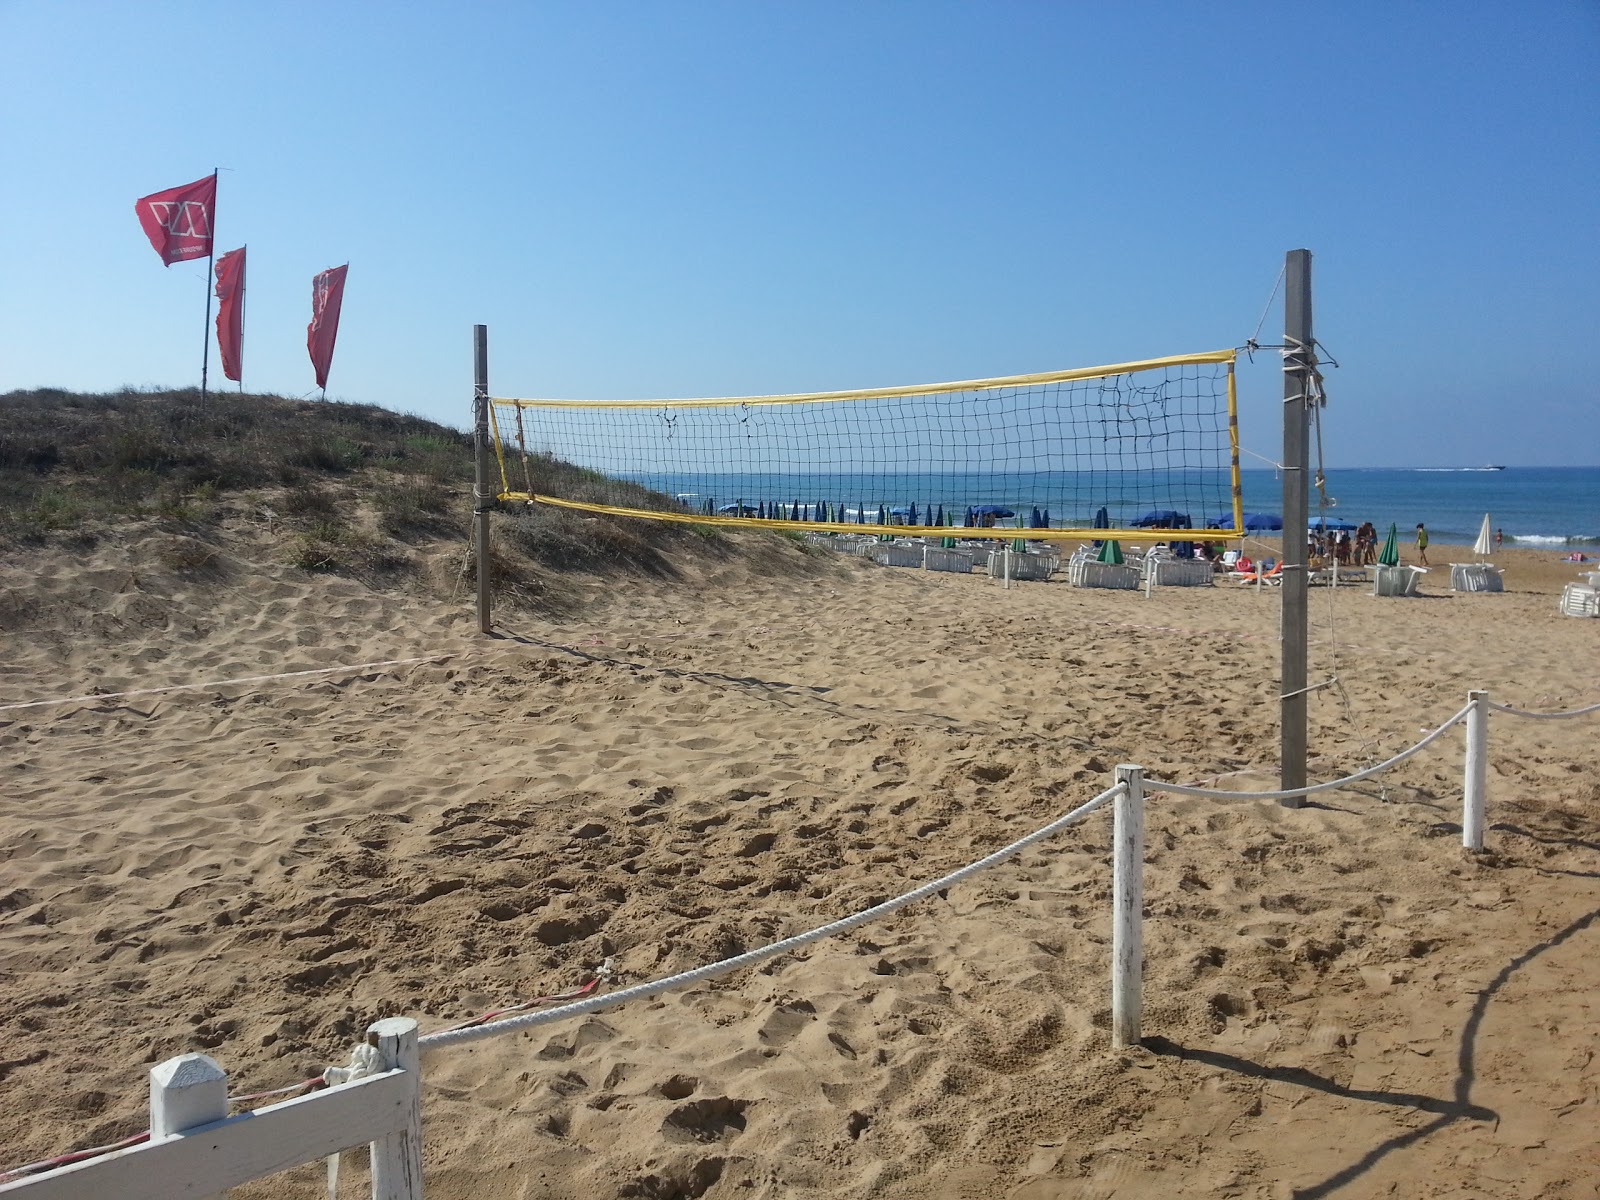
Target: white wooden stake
[
  {"x": 186, "y": 1092},
  {"x": 1475, "y": 785},
  {"x": 397, "y": 1159},
  {"x": 1008, "y": 566},
  {"x": 1127, "y": 885}
]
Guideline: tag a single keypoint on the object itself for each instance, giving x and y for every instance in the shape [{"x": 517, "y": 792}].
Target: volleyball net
[{"x": 1131, "y": 451}]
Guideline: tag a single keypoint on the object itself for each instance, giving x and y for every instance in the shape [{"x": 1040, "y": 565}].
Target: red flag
[
  {"x": 178, "y": 220},
  {"x": 230, "y": 312},
  {"x": 327, "y": 294}
]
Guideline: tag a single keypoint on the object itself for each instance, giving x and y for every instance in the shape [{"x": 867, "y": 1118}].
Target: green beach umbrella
[
  {"x": 1110, "y": 551},
  {"x": 1389, "y": 556}
]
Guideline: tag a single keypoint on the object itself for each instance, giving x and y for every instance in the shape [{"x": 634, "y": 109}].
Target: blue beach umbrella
[
  {"x": 1167, "y": 517},
  {"x": 1102, "y": 520},
  {"x": 1251, "y": 521}
]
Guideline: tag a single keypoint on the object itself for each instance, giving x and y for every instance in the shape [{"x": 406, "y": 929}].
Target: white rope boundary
[
  {"x": 1545, "y": 716},
  {"x": 455, "y": 1037},
  {"x": 1155, "y": 785}
]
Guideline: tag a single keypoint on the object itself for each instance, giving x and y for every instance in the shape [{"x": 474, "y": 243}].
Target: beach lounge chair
[
  {"x": 1397, "y": 581},
  {"x": 1271, "y": 576},
  {"x": 1092, "y": 573},
  {"x": 1578, "y": 600},
  {"x": 897, "y": 554},
  {"x": 936, "y": 558},
  {"x": 1475, "y": 577},
  {"x": 1179, "y": 572},
  {"x": 1023, "y": 565}
]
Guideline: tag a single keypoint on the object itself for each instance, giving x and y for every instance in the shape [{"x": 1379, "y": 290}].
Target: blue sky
[{"x": 706, "y": 199}]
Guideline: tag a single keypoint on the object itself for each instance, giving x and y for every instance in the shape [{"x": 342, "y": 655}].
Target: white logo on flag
[{"x": 182, "y": 218}]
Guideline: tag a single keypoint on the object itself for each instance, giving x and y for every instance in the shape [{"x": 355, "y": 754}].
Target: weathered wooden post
[
  {"x": 482, "y": 497},
  {"x": 186, "y": 1091},
  {"x": 397, "y": 1158},
  {"x": 1477, "y": 771},
  {"x": 1299, "y": 366},
  {"x": 1127, "y": 886}
]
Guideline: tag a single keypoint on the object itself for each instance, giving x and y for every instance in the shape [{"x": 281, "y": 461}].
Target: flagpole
[
  {"x": 242, "y": 289},
  {"x": 205, "y": 345}
]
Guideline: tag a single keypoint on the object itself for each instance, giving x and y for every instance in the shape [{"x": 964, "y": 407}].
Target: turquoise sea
[{"x": 1534, "y": 506}]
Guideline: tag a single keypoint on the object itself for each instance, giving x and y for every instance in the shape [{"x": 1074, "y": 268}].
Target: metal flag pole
[
  {"x": 243, "y": 288},
  {"x": 211, "y": 257}
]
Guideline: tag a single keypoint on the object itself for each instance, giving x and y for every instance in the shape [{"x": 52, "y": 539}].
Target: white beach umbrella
[{"x": 1483, "y": 545}]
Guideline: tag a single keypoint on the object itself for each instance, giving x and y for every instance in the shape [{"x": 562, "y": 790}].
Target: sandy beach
[{"x": 1339, "y": 1000}]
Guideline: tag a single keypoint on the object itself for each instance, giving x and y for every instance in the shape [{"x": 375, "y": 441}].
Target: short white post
[
  {"x": 1127, "y": 886},
  {"x": 1008, "y": 566},
  {"x": 186, "y": 1092},
  {"x": 397, "y": 1158},
  {"x": 1476, "y": 782}
]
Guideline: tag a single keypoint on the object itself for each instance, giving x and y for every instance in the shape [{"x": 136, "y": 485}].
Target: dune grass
[{"x": 351, "y": 488}]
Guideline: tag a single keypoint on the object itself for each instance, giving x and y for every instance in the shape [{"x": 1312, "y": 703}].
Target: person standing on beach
[
  {"x": 1499, "y": 537},
  {"x": 1422, "y": 543}
]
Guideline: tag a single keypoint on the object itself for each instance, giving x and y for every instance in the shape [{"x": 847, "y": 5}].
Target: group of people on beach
[{"x": 1344, "y": 549}]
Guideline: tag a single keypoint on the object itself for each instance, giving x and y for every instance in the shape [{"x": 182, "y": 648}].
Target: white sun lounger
[
  {"x": 1475, "y": 577},
  {"x": 1397, "y": 581}
]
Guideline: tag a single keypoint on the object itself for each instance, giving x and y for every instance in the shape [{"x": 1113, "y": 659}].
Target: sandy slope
[{"x": 1339, "y": 1002}]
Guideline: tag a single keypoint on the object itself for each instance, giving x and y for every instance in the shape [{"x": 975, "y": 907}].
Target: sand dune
[{"x": 1339, "y": 1001}]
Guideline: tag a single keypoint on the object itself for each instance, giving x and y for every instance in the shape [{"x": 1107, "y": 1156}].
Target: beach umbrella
[
  {"x": 1164, "y": 517},
  {"x": 970, "y": 519},
  {"x": 939, "y": 520},
  {"x": 1333, "y": 523},
  {"x": 1102, "y": 520},
  {"x": 1110, "y": 551},
  {"x": 1033, "y": 519},
  {"x": 883, "y": 515},
  {"x": 1389, "y": 556},
  {"x": 992, "y": 510},
  {"x": 911, "y": 518},
  {"x": 1483, "y": 547},
  {"x": 1044, "y": 522},
  {"x": 1252, "y": 521},
  {"x": 861, "y": 512}
]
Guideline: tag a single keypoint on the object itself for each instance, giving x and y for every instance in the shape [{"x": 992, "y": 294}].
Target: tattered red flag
[
  {"x": 327, "y": 294},
  {"x": 178, "y": 221},
  {"x": 230, "y": 312}
]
